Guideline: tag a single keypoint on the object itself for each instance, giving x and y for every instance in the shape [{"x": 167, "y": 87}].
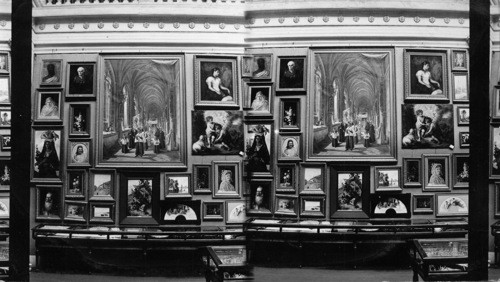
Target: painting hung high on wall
[
  {"x": 426, "y": 75},
  {"x": 216, "y": 82},
  {"x": 217, "y": 132},
  {"x": 51, "y": 72},
  {"x": 427, "y": 126},
  {"x": 142, "y": 112},
  {"x": 352, "y": 99}
]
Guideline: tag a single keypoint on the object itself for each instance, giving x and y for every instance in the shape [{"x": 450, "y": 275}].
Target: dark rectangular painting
[{"x": 427, "y": 126}]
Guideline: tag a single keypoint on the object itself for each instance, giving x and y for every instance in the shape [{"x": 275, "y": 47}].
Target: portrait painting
[
  {"x": 81, "y": 79},
  {"x": 388, "y": 179},
  {"x": 350, "y": 193},
  {"x": 494, "y": 151},
  {"x": 102, "y": 212},
  {"x": 390, "y": 205},
  {"x": 452, "y": 204},
  {"x": 463, "y": 115},
  {"x": 5, "y": 117},
  {"x": 459, "y": 60},
  {"x": 259, "y": 99},
  {"x": 46, "y": 154},
  {"x": 142, "y": 112},
  {"x": 262, "y": 66},
  {"x": 259, "y": 201},
  {"x": 202, "y": 175},
  {"x": 180, "y": 212},
  {"x": 412, "y": 172},
  {"x": 79, "y": 153},
  {"x": 216, "y": 81},
  {"x": 217, "y": 132},
  {"x": 344, "y": 106},
  {"x": 49, "y": 106},
  {"x": 246, "y": 66},
  {"x": 464, "y": 139},
  {"x": 51, "y": 72},
  {"x": 427, "y": 126},
  {"x": 258, "y": 148},
  {"x": 4, "y": 90},
  {"x": 75, "y": 211},
  {"x": 4, "y": 63},
  {"x": 227, "y": 179},
  {"x": 312, "y": 179},
  {"x": 423, "y": 204},
  {"x": 76, "y": 182},
  {"x": 79, "y": 120},
  {"x": 460, "y": 171},
  {"x": 289, "y": 114},
  {"x": 213, "y": 211},
  {"x": 236, "y": 212},
  {"x": 177, "y": 186},
  {"x": 286, "y": 178},
  {"x": 48, "y": 202},
  {"x": 4, "y": 207},
  {"x": 460, "y": 87},
  {"x": 6, "y": 142},
  {"x": 289, "y": 146},
  {"x": 291, "y": 74},
  {"x": 102, "y": 183},
  {"x": 426, "y": 75},
  {"x": 436, "y": 172},
  {"x": 286, "y": 205},
  {"x": 312, "y": 206},
  {"x": 5, "y": 167}
]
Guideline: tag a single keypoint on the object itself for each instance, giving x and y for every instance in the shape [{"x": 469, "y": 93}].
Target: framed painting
[
  {"x": 436, "y": 172},
  {"x": 289, "y": 146},
  {"x": 102, "y": 185},
  {"x": 132, "y": 106},
  {"x": 177, "y": 186},
  {"x": 81, "y": 80},
  {"x": 312, "y": 178},
  {"x": 79, "y": 153},
  {"x": 426, "y": 75},
  {"x": 216, "y": 81},
  {"x": 460, "y": 83},
  {"x": 412, "y": 172},
  {"x": 260, "y": 201},
  {"x": 75, "y": 211},
  {"x": 4, "y": 90},
  {"x": 216, "y": 132},
  {"x": 459, "y": 60},
  {"x": 5, "y": 117},
  {"x": 4, "y": 206},
  {"x": 48, "y": 105},
  {"x": 227, "y": 179},
  {"x": 390, "y": 205},
  {"x": 427, "y": 126},
  {"x": 423, "y": 204},
  {"x": 342, "y": 103},
  {"x": 5, "y": 168},
  {"x": 388, "y": 178},
  {"x": 452, "y": 204},
  {"x": 4, "y": 63},
  {"x": 289, "y": 118},
  {"x": 259, "y": 99},
  {"x": 236, "y": 212},
  {"x": 494, "y": 151},
  {"x": 312, "y": 206},
  {"x": 213, "y": 211},
  {"x": 79, "y": 120},
  {"x": 139, "y": 198},
  {"x": 6, "y": 142},
  {"x": 4, "y": 251},
  {"x": 76, "y": 183},
  {"x": 460, "y": 171},
  {"x": 48, "y": 202},
  {"x": 102, "y": 212},
  {"x": 246, "y": 66},
  {"x": 46, "y": 154},
  {"x": 497, "y": 199},
  {"x": 463, "y": 115},
  {"x": 259, "y": 147},
  {"x": 286, "y": 178},
  {"x": 51, "y": 72},
  {"x": 286, "y": 205},
  {"x": 261, "y": 67},
  {"x": 350, "y": 194},
  {"x": 292, "y": 74},
  {"x": 180, "y": 212},
  {"x": 464, "y": 139},
  {"x": 202, "y": 179}
]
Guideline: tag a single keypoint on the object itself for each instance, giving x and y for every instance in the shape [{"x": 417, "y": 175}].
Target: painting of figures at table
[
  {"x": 142, "y": 116},
  {"x": 217, "y": 132},
  {"x": 352, "y": 105},
  {"x": 427, "y": 126}
]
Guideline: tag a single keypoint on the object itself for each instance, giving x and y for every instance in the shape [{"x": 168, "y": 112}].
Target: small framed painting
[
  {"x": 388, "y": 179},
  {"x": 459, "y": 60},
  {"x": 177, "y": 186},
  {"x": 286, "y": 178},
  {"x": 51, "y": 72},
  {"x": 81, "y": 80},
  {"x": 312, "y": 206},
  {"x": 4, "y": 90},
  {"x": 262, "y": 66},
  {"x": 260, "y": 201},
  {"x": 246, "y": 66},
  {"x": 291, "y": 74},
  {"x": 312, "y": 178},
  {"x": 4, "y": 207},
  {"x": 139, "y": 195},
  {"x": 259, "y": 99},
  {"x": 463, "y": 115},
  {"x": 4, "y": 63},
  {"x": 5, "y": 117},
  {"x": 76, "y": 181},
  {"x": 390, "y": 205},
  {"x": 46, "y": 153},
  {"x": 436, "y": 168},
  {"x": 460, "y": 171},
  {"x": 460, "y": 87},
  {"x": 289, "y": 145},
  {"x": 216, "y": 81},
  {"x": 48, "y": 202},
  {"x": 351, "y": 198},
  {"x": 48, "y": 105},
  {"x": 6, "y": 143},
  {"x": 259, "y": 140},
  {"x": 452, "y": 204},
  {"x": 202, "y": 179},
  {"x": 5, "y": 167},
  {"x": 79, "y": 120},
  {"x": 464, "y": 139},
  {"x": 426, "y": 75},
  {"x": 497, "y": 199},
  {"x": 102, "y": 212},
  {"x": 227, "y": 179},
  {"x": 213, "y": 211},
  {"x": 412, "y": 172},
  {"x": 102, "y": 185},
  {"x": 236, "y": 212},
  {"x": 79, "y": 153},
  {"x": 289, "y": 117},
  {"x": 180, "y": 212},
  {"x": 75, "y": 211},
  {"x": 286, "y": 205},
  {"x": 423, "y": 204}
]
